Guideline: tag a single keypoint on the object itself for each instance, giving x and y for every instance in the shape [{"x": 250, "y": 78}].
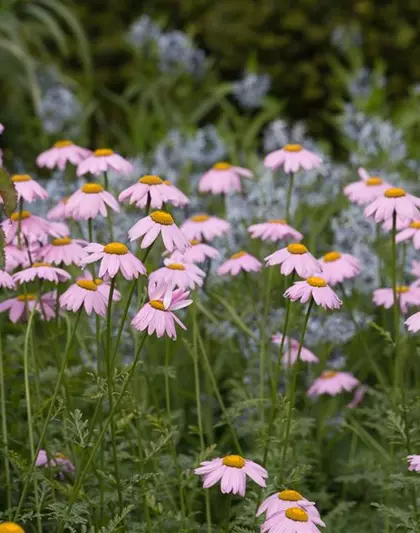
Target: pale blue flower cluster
[{"x": 251, "y": 90}]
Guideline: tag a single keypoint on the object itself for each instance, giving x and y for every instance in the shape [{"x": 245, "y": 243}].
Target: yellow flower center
[
  {"x": 20, "y": 216},
  {"x": 157, "y": 304},
  {"x": 65, "y": 200},
  {"x": 62, "y": 144},
  {"x": 415, "y": 224},
  {"x": 297, "y": 249},
  {"x": 289, "y": 496},
  {"x": 278, "y": 221},
  {"x": 238, "y": 255},
  {"x": 151, "y": 180},
  {"x": 38, "y": 264},
  {"x": 403, "y": 289},
  {"x": 328, "y": 374},
  {"x": 162, "y": 217},
  {"x": 199, "y": 218},
  {"x": 167, "y": 182},
  {"x": 293, "y": 148},
  {"x": 332, "y": 256},
  {"x": 194, "y": 242},
  {"x": 18, "y": 178},
  {"x": 235, "y": 461},
  {"x": 61, "y": 242},
  {"x": 60, "y": 456},
  {"x": 98, "y": 281},
  {"x": 315, "y": 281},
  {"x": 116, "y": 248},
  {"x": 176, "y": 266},
  {"x": 395, "y": 192},
  {"x": 87, "y": 284},
  {"x": 92, "y": 188},
  {"x": 10, "y": 527},
  {"x": 102, "y": 152},
  {"x": 373, "y": 181},
  {"x": 26, "y": 297},
  {"x": 222, "y": 166},
  {"x": 297, "y": 514}
]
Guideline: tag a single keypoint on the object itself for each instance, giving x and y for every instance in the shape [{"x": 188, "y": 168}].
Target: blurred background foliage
[{"x": 79, "y": 56}]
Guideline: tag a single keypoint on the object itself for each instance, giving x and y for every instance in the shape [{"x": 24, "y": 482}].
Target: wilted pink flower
[
  {"x": 175, "y": 196},
  {"x": 223, "y": 178},
  {"x": 336, "y": 267},
  {"x": 414, "y": 463},
  {"x": 240, "y": 262},
  {"x": 84, "y": 293},
  {"x": 292, "y": 520},
  {"x": 32, "y": 227},
  {"x": 182, "y": 275},
  {"x": 27, "y": 188},
  {"x": 147, "y": 187},
  {"x": 274, "y": 230},
  {"x": 60, "y": 154},
  {"x": 157, "y": 315},
  {"x": 413, "y": 323},
  {"x": 17, "y": 306},
  {"x": 291, "y": 349},
  {"x": 15, "y": 257},
  {"x": 59, "y": 212},
  {"x": 103, "y": 286},
  {"x": 41, "y": 271},
  {"x": 231, "y": 471},
  {"x": 204, "y": 227},
  {"x": 89, "y": 201},
  {"x": 159, "y": 222},
  {"x": 59, "y": 459},
  {"x": 103, "y": 160},
  {"x": 6, "y": 280},
  {"x": 407, "y": 295},
  {"x": 393, "y": 200},
  {"x": 314, "y": 287},
  {"x": 332, "y": 383},
  {"x": 367, "y": 189},
  {"x": 292, "y": 157},
  {"x": 358, "y": 396},
  {"x": 412, "y": 232},
  {"x": 295, "y": 257},
  {"x": 63, "y": 250},
  {"x": 285, "y": 499},
  {"x": 115, "y": 257},
  {"x": 197, "y": 253}
]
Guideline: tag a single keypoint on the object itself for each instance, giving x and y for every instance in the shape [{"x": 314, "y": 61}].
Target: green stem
[
  {"x": 90, "y": 229},
  {"x": 263, "y": 340},
  {"x": 5, "y": 432},
  {"x": 228, "y": 509},
  {"x": 396, "y": 305},
  {"x": 293, "y": 391},
  {"x": 289, "y": 194}
]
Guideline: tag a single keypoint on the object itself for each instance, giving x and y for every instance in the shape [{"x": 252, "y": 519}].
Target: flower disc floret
[
  {"x": 297, "y": 514},
  {"x": 92, "y": 188},
  {"x": 234, "y": 461},
  {"x": 162, "y": 217},
  {"x": 116, "y": 248}
]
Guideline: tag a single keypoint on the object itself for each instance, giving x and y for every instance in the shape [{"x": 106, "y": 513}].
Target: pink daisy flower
[
  {"x": 41, "y": 271},
  {"x": 59, "y": 212},
  {"x": 413, "y": 463},
  {"x": 332, "y": 383},
  {"x": 197, "y": 253},
  {"x": 157, "y": 315},
  {"x": 336, "y": 267},
  {"x": 175, "y": 196},
  {"x": 412, "y": 232},
  {"x": 147, "y": 187},
  {"x": 103, "y": 286},
  {"x": 61, "y": 153},
  {"x": 231, "y": 471},
  {"x": 27, "y": 188},
  {"x": 413, "y": 323},
  {"x": 393, "y": 200},
  {"x": 367, "y": 189},
  {"x": 103, "y": 160},
  {"x": 240, "y": 262},
  {"x": 204, "y": 227},
  {"x": 32, "y": 227},
  {"x": 15, "y": 257},
  {"x": 159, "y": 222},
  {"x": 59, "y": 459},
  {"x": 115, "y": 257},
  {"x": 6, "y": 280},
  {"x": 223, "y": 178},
  {"x": 314, "y": 287},
  {"x": 63, "y": 250},
  {"x": 17, "y": 306},
  {"x": 295, "y": 257},
  {"x": 89, "y": 201},
  {"x": 292, "y": 157},
  {"x": 84, "y": 293},
  {"x": 286, "y": 499},
  {"x": 407, "y": 296},
  {"x": 358, "y": 396},
  {"x": 274, "y": 230},
  {"x": 291, "y": 347},
  {"x": 181, "y": 275},
  {"x": 292, "y": 520}
]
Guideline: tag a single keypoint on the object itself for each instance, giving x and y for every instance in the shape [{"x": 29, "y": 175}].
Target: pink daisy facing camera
[
  {"x": 292, "y": 157},
  {"x": 223, "y": 178}
]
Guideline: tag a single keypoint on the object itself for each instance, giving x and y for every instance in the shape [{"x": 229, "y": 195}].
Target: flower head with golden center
[
  {"x": 92, "y": 188},
  {"x": 395, "y": 192},
  {"x": 162, "y": 217},
  {"x": 297, "y": 249},
  {"x": 151, "y": 180},
  {"x": 289, "y": 496},
  {"x": 293, "y": 148},
  {"x": 316, "y": 281},
  {"x": 234, "y": 461},
  {"x": 63, "y": 144},
  {"x": 297, "y": 514},
  {"x": 87, "y": 284},
  {"x": 115, "y": 257},
  {"x": 330, "y": 257},
  {"x": 19, "y": 178},
  {"x": 103, "y": 152},
  {"x": 373, "y": 181},
  {"x": 222, "y": 166}
]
